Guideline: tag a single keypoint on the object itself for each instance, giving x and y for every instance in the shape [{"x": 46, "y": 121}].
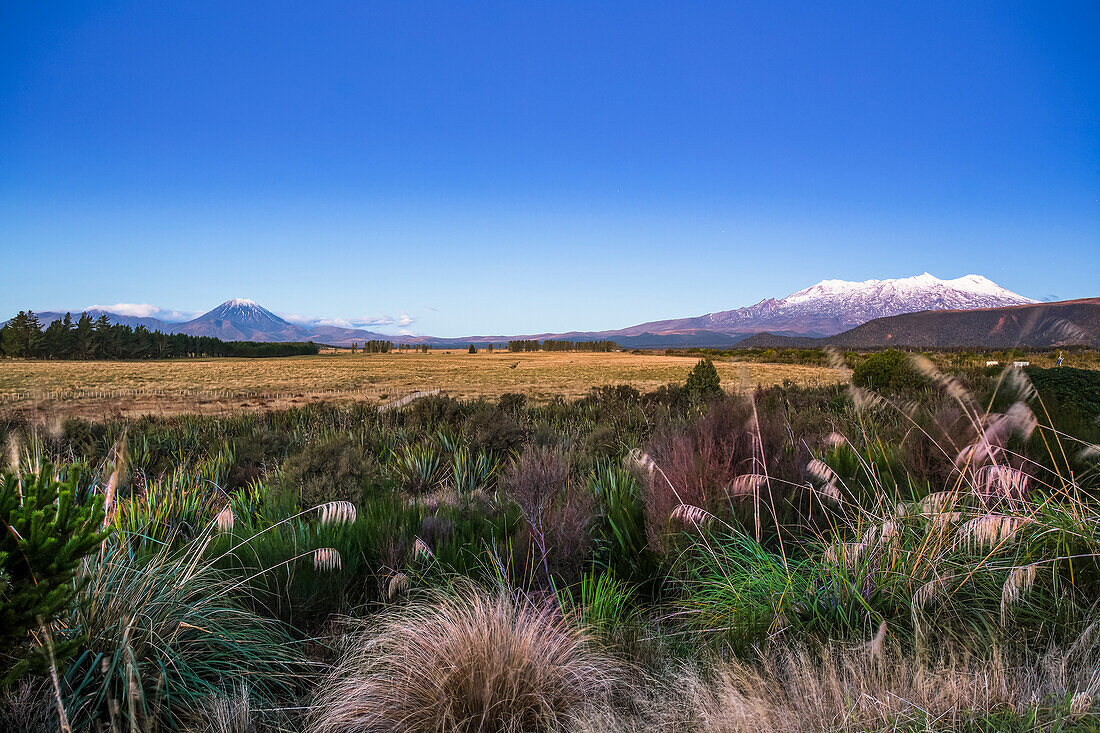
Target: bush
[
  {"x": 1079, "y": 387},
  {"x": 493, "y": 430},
  {"x": 45, "y": 536},
  {"x": 332, "y": 470},
  {"x": 621, "y": 527},
  {"x": 888, "y": 371},
  {"x": 703, "y": 382},
  {"x": 464, "y": 662}
]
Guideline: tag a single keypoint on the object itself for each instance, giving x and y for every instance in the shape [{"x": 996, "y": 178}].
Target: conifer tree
[
  {"x": 45, "y": 534},
  {"x": 703, "y": 382}
]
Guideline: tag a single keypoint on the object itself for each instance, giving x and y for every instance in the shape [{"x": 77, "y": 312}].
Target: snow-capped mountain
[
  {"x": 832, "y": 306},
  {"x": 824, "y": 309},
  {"x": 243, "y": 320}
]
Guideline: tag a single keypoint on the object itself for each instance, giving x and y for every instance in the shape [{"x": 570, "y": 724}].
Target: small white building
[
  {"x": 992, "y": 363},
  {"x": 1021, "y": 363}
]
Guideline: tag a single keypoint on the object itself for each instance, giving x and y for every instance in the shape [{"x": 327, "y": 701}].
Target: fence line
[{"x": 215, "y": 394}]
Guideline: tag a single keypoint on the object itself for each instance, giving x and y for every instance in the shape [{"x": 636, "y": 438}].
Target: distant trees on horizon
[
  {"x": 557, "y": 345},
  {"x": 24, "y": 338}
]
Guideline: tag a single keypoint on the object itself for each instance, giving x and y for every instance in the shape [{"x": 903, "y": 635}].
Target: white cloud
[
  {"x": 367, "y": 322},
  {"x": 145, "y": 310}
]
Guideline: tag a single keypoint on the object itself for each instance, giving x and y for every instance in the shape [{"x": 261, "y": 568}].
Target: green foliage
[
  {"x": 888, "y": 371},
  {"x": 21, "y": 337},
  {"x": 606, "y": 606},
  {"x": 703, "y": 382},
  {"x": 418, "y": 467},
  {"x": 494, "y": 431},
  {"x": 471, "y": 470},
  {"x": 46, "y": 534},
  {"x": 1079, "y": 387},
  {"x": 275, "y": 554},
  {"x": 735, "y": 589},
  {"x": 161, "y": 632},
  {"x": 329, "y": 470},
  {"x": 620, "y": 525}
]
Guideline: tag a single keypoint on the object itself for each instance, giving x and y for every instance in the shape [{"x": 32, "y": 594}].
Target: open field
[{"x": 222, "y": 385}]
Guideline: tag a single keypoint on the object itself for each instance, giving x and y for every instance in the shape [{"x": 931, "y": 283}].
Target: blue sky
[{"x": 459, "y": 168}]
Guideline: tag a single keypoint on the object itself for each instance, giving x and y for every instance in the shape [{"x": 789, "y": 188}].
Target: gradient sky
[{"x": 524, "y": 167}]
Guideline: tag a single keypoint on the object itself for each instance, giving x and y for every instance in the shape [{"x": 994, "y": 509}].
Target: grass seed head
[{"x": 326, "y": 559}]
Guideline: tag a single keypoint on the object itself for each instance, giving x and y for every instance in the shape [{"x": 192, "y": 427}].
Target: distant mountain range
[
  {"x": 1066, "y": 322},
  {"x": 236, "y": 320},
  {"x": 826, "y": 309}
]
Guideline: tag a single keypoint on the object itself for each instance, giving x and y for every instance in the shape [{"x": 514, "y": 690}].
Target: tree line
[
  {"x": 375, "y": 346},
  {"x": 24, "y": 338},
  {"x": 557, "y": 345}
]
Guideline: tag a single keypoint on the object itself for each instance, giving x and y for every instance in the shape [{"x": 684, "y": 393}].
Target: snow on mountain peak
[{"x": 832, "y": 306}]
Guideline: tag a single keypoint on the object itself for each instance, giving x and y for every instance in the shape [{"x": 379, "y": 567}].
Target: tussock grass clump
[
  {"x": 464, "y": 661},
  {"x": 162, "y": 632},
  {"x": 873, "y": 687}
]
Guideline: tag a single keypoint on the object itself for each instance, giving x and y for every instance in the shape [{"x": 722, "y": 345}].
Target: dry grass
[
  {"x": 221, "y": 386},
  {"x": 794, "y": 689},
  {"x": 464, "y": 662}
]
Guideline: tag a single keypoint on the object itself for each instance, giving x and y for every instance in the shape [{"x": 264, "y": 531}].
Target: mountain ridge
[
  {"x": 1061, "y": 323},
  {"x": 824, "y": 309}
]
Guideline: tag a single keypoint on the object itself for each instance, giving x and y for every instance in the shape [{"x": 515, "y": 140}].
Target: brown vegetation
[{"x": 223, "y": 386}]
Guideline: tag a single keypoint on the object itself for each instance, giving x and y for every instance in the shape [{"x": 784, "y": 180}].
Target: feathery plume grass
[
  {"x": 641, "y": 460},
  {"x": 337, "y": 512},
  {"x": 1020, "y": 580},
  {"x": 326, "y": 559},
  {"x": 689, "y": 514},
  {"x": 225, "y": 519},
  {"x": 820, "y": 470},
  {"x": 990, "y": 531},
  {"x": 1002, "y": 482},
  {"x": 747, "y": 484},
  {"x": 398, "y": 585},
  {"x": 421, "y": 549}
]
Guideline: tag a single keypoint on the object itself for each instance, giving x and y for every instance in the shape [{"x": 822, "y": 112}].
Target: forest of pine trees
[{"x": 24, "y": 338}]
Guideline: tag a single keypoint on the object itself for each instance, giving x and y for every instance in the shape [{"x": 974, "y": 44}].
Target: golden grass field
[{"x": 99, "y": 388}]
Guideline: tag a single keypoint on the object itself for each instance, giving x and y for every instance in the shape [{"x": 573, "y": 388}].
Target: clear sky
[{"x": 464, "y": 167}]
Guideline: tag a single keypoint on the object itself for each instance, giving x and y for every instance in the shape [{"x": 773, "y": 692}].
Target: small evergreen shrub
[
  {"x": 703, "y": 382},
  {"x": 45, "y": 536},
  {"x": 494, "y": 431},
  {"x": 888, "y": 371},
  {"x": 332, "y": 470}
]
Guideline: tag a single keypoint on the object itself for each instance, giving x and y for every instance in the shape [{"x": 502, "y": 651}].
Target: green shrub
[
  {"x": 333, "y": 470},
  {"x": 620, "y": 524},
  {"x": 1079, "y": 387},
  {"x": 44, "y": 536},
  {"x": 418, "y": 467},
  {"x": 493, "y": 430},
  {"x": 703, "y": 382},
  {"x": 888, "y": 371}
]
